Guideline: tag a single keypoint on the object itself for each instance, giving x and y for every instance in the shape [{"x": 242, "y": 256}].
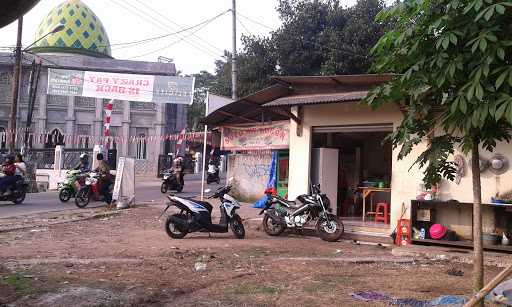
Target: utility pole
[
  {"x": 234, "y": 68},
  {"x": 15, "y": 87}
]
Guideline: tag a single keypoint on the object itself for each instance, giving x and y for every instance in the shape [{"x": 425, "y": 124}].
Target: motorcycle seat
[{"x": 291, "y": 203}]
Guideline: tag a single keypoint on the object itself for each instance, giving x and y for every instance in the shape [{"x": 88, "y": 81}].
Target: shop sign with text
[
  {"x": 261, "y": 137},
  {"x": 130, "y": 87}
]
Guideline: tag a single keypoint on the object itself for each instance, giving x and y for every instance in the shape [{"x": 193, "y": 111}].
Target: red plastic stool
[{"x": 382, "y": 213}]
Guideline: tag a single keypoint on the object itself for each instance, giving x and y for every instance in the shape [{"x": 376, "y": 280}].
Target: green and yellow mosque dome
[{"x": 83, "y": 31}]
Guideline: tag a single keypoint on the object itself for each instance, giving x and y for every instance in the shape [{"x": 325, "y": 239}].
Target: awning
[
  {"x": 274, "y": 102},
  {"x": 12, "y": 9},
  {"x": 250, "y": 109},
  {"x": 318, "y": 98}
]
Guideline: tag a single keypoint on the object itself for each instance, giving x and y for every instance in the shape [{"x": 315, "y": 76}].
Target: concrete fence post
[
  {"x": 222, "y": 166},
  {"x": 198, "y": 167},
  {"x": 96, "y": 150},
  {"x": 59, "y": 158}
]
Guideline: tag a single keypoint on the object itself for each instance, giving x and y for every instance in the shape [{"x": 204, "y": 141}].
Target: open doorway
[{"x": 357, "y": 166}]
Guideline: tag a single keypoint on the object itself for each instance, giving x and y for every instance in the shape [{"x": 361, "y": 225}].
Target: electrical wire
[
  {"x": 150, "y": 20},
  {"x": 154, "y": 38},
  {"x": 243, "y": 26},
  {"x": 167, "y": 46},
  {"x": 178, "y": 25},
  {"x": 310, "y": 41},
  {"x": 254, "y": 21}
]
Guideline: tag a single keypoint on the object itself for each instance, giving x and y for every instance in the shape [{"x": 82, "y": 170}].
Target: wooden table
[{"x": 367, "y": 191}]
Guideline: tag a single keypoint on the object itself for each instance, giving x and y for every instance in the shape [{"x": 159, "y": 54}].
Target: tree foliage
[
  {"x": 455, "y": 82},
  {"x": 316, "y": 38}
]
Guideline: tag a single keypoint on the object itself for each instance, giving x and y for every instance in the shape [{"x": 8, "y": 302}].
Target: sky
[{"x": 132, "y": 20}]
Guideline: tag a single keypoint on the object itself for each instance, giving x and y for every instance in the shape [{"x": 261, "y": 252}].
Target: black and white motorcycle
[
  {"x": 196, "y": 216},
  {"x": 281, "y": 214}
]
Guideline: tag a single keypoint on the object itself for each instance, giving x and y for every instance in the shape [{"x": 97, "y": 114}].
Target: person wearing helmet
[
  {"x": 105, "y": 178},
  {"x": 177, "y": 167},
  {"x": 8, "y": 172},
  {"x": 83, "y": 164}
]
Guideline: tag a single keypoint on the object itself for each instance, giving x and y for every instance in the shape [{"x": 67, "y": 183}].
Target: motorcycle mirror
[{"x": 207, "y": 190}]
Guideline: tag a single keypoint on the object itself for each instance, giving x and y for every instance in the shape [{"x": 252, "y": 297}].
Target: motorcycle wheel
[
  {"x": 237, "y": 227},
  {"x": 164, "y": 188},
  {"x": 173, "y": 230},
  {"x": 65, "y": 195},
  {"x": 271, "y": 227},
  {"x": 20, "y": 197},
  {"x": 82, "y": 198},
  {"x": 330, "y": 229}
]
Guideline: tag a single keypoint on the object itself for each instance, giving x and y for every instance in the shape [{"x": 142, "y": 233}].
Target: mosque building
[{"x": 84, "y": 45}]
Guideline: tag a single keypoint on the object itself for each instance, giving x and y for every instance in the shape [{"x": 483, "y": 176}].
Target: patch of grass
[
  {"x": 254, "y": 290},
  {"x": 315, "y": 287},
  {"x": 20, "y": 284}
]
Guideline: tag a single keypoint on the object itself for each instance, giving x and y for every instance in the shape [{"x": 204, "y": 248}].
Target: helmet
[
  {"x": 99, "y": 156},
  {"x": 84, "y": 156}
]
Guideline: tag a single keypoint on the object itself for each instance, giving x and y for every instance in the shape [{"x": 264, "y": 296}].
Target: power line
[
  {"x": 254, "y": 21},
  {"x": 171, "y": 44},
  {"x": 243, "y": 26},
  {"x": 150, "y": 20},
  {"x": 178, "y": 25},
  {"x": 309, "y": 41}
]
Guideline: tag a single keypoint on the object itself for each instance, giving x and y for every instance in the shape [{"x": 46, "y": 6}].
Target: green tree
[
  {"x": 256, "y": 65},
  {"x": 454, "y": 88},
  {"x": 316, "y": 38}
]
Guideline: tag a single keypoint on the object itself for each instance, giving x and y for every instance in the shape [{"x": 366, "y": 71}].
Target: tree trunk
[{"x": 478, "y": 259}]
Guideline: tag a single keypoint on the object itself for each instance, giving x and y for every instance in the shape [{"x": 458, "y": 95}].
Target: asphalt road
[{"x": 145, "y": 191}]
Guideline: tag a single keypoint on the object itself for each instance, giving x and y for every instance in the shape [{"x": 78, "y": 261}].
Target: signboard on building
[
  {"x": 131, "y": 87},
  {"x": 258, "y": 137}
]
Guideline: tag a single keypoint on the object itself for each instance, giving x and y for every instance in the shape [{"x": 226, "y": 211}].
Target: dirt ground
[{"x": 128, "y": 260}]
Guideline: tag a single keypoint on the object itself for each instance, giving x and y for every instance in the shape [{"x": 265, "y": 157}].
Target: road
[{"x": 145, "y": 191}]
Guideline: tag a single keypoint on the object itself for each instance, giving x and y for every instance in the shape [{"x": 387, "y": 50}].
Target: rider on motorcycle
[
  {"x": 83, "y": 164},
  {"x": 177, "y": 167},
  {"x": 8, "y": 171},
  {"x": 105, "y": 178}
]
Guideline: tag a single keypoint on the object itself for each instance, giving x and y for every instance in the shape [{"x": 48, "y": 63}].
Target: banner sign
[
  {"x": 131, "y": 87},
  {"x": 273, "y": 136}
]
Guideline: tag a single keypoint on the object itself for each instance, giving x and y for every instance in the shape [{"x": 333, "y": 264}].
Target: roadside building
[
  {"x": 340, "y": 143},
  {"x": 78, "y": 122}
]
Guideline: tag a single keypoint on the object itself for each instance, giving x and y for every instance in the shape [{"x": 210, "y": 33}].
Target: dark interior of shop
[{"x": 364, "y": 161}]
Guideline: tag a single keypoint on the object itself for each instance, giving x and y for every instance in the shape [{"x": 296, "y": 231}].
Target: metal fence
[
  {"x": 42, "y": 158},
  {"x": 71, "y": 156}
]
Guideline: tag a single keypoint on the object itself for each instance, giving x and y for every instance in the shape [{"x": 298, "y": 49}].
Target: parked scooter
[
  {"x": 169, "y": 182},
  {"x": 90, "y": 190},
  {"x": 281, "y": 214},
  {"x": 212, "y": 173},
  {"x": 196, "y": 216},
  {"x": 75, "y": 179}
]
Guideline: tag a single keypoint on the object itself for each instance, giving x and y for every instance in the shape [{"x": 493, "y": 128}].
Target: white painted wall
[{"x": 405, "y": 179}]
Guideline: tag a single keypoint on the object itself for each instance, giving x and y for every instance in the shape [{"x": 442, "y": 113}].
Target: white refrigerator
[{"x": 324, "y": 170}]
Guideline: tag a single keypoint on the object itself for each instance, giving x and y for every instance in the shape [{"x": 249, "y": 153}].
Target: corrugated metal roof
[
  {"x": 250, "y": 108},
  {"x": 367, "y": 79},
  {"x": 273, "y": 102},
  {"x": 318, "y": 98}
]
